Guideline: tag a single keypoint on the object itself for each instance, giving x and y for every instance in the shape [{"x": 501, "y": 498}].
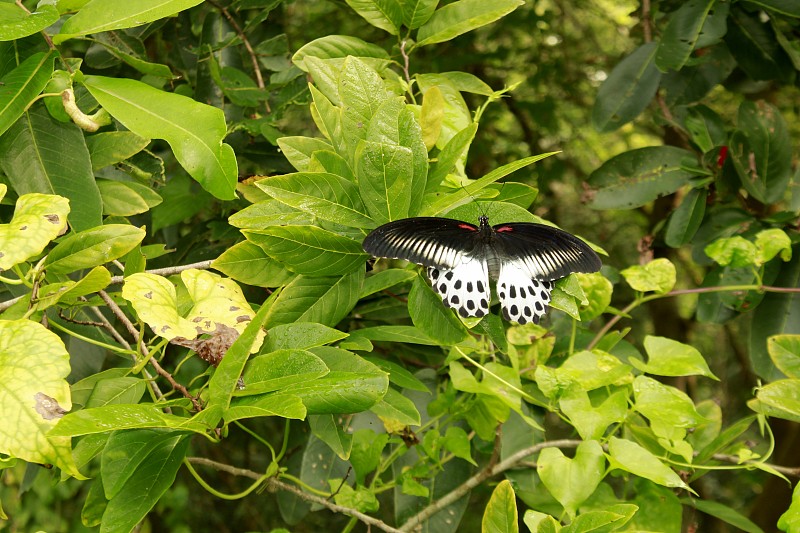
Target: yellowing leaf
[
  {"x": 657, "y": 275},
  {"x": 34, "y": 394},
  {"x": 156, "y": 302},
  {"x": 38, "y": 219}
]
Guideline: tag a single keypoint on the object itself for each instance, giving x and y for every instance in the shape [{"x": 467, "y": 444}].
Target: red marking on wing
[
  {"x": 468, "y": 226},
  {"x": 504, "y": 228}
]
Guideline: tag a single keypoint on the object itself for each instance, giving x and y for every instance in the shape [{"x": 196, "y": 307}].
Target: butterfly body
[{"x": 524, "y": 258}]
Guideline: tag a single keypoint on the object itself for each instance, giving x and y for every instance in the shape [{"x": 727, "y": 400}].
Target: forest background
[{"x": 184, "y": 180}]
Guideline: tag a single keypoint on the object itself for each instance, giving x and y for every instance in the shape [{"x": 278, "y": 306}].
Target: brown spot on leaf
[
  {"x": 23, "y": 228},
  {"x": 48, "y": 407},
  {"x": 233, "y": 308},
  {"x": 242, "y": 318},
  {"x": 53, "y": 218},
  {"x": 149, "y": 295}
]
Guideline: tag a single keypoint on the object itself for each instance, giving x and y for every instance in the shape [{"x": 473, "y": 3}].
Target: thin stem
[{"x": 222, "y": 495}]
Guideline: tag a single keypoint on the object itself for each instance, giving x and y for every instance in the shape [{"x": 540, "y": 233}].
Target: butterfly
[{"x": 524, "y": 258}]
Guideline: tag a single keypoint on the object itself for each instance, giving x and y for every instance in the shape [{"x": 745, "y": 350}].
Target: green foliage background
[{"x": 192, "y": 338}]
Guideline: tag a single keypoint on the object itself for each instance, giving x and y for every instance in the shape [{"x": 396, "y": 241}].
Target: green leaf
[
  {"x": 328, "y": 431},
  {"x": 114, "y": 417},
  {"x": 614, "y": 516},
  {"x": 112, "y": 391},
  {"x": 771, "y": 242},
  {"x": 668, "y": 357},
  {"x": 154, "y": 114},
  {"x": 686, "y": 219},
  {"x": 431, "y": 317},
  {"x": 34, "y": 364},
  {"x": 500, "y": 515},
  {"x": 454, "y": 151},
  {"x": 639, "y": 176},
  {"x": 724, "y": 513},
  {"x": 126, "y": 198},
  {"x": 309, "y": 250},
  {"x": 41, "y": 154},
  {"x": 457, "y": 115},
  {"x": 282, "y": 405},
  {"x": 99, "y": 16},
  {"x": 784, "y": 350},
  {"x": 418, "y": 12},
  {"x": 37, "y": 220},
  {"x": 301, "y": 336},
  {"x": 790, "y": 520},
  {"x": 779, "y": 399},
  {"x": 753, "y": 43},
  {"x": 761, "y": 151},
  {"x": 785, "y": 7},
  {"x": 248, "y": 263},
  {"x": 681, "y": 34},
  {"x": 385, "y": 279},
  {"x": 298, "y": 150},
  {"x": 280, "y": 369},
  {"x": 384, "y": 14},
  {"x": 16, "y": 22},
  {"x": 591, "y": 419},
  {"x": 93, "y": 247},
  {"x": 735, "y": 251},
  {"x": 326, "y": 300},
  {"x": 398, "y": 375},
  {"x": 22, "y": 85},
  {"x": 629, "y": 456},
  {"x": 572, "y": 481},
  {"x": 409, "y": 334},
  {"x": 431, "y": 115},
  {"x": 658, "y": 275},
  {"x": 323, "y": 195},
  {"x": 628, "y": 89},
  {"x": 462, "y": 16},
  {"x": 112, "y": 147},
  {"x": 705, "y": 127},
  {"x": 337, "y": 47},
  {"x": 597, "y": 289},
  {"x": 394, "y": 408},
  {"x": 540, "y": 522},
  {"x": 663, "y": 404},
  {"x": 366, "y": 451},
  {"x": 151, "y": 465}
]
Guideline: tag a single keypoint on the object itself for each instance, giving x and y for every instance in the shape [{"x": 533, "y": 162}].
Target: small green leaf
[
  {"x": 16, "y": 22},
  {"x": 248, "y": 263},
  {"x": 597, "y": 289},
  {"x": 668, "y": 357},
  {"x": 681, "y": 34},
  {"x": 417, "y": 12},
  {"x": 735, "y": 251},
  {"x": 784, "y": 350},
  {"x": 326, "y": 429},
  {"x": 591, "y": 419},
  {"x": 309, "y": 250},
  {"x": 430, "y": 316},
  {"x": 22, "y": 85},
  {"x": 664, "y": 404},
  {"x": 93, "y": 247},
  {"x": 409, "y": 334},
  {"x": 462, "y": 16},
  {"x": 326, "y": 300},
  {"x": 37, "y": 220},
  {"x": 385, "y": 279},
  {"x": 280, "y": 369},
  {"x": 628, "y": 89},
  {"x": 394, "y": 408},
  {"x": 337, "y": 47},
  {"x": 771, "y": 242},
  {"x": 456, "y": 441},
  {"x": 658, "y": 275},
  {"x": 572, "y": 481},
  {"x": 686, "y": 219},
  {"x": 35, "y": 395},
  {"x": 384, "y": 14},
  {"x": 298, "y": 150},
  {"x": 500, "y": 515},
  {"x": 790, "y": 520},
  {"x": 112, "y": 147},
  {"x": 629, "y": 456},
  {"x": 365, "y": 455},
  {"x": 431, "y": 116},
  {"x": 724, "y": 513},
  {"x": 780, "y": 399},
  {"x": 282, "y": 405},
  {"x": 126, "y": 198}
]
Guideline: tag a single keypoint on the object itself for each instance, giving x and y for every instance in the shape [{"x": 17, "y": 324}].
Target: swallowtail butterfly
[{"x": 524, "y": 258}]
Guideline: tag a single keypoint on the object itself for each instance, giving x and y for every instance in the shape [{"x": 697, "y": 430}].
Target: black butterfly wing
[
  {"x": 429, "y": 241},
  {"x": 544, "y": 252}
]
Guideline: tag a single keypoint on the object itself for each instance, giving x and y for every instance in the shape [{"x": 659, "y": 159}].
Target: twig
[
  {"x": 168, "y": 271},
  {"x": 274, "y": 484},
  {"x": 405, "y": 60},
  {"x": 647, "y": 27},
  {"x": 787, "y": 470},
  {"x": 112, "y": 305}
]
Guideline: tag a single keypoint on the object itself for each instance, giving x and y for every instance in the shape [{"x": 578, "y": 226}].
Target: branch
[
  {"x": 274, "y": 484},
  {"x": 168, "y": 271}
]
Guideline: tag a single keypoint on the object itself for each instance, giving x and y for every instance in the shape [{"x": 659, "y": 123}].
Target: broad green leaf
[
  {"x": 462, "y": 16},
  {"x": 761, "y": 151},
  {"x": 309, "y": 250},
  {"x": 628, "y": 89},
  {"x": 658, "y": 275},
  {"x": 82, "y": 390},
  {"x": 611, "y": 518},
  {"x": 326, "y": 300},
  {"x": 326, "y": 196},
  {"x": 681, "y": 34},
  {"x": 417, "y": 12},
  {"x": 457, "y": 115},
  {"x": 629, "y": 456},
  {"x": 280, "y": 369},
  {"x": 328, "y": 119},
  {"x": 659, "y": 508},
  {"x": 121, "y": 390},
  {"x": 668, "y": 357},
  {"x": 724, "y": 513},
  {"x": 500, "y": 515},
  {"x": 156, "y": 114},
  {"x": 398, "y": 375},
  {"x": 705, "y": 127},
  {"x": 790, "y": 520},
  {"x": 572, "y": 481},
  {"x": 384, "y": 14},
  {"x": 282, "y": 405},
  {"x": 409, "y": 334},
  {"x": 394, "y": 409},
  {"x": 111, "y": 147},
  {"x": 249, "y": 263},
  {"x": 735, "y": 251},
  {"x": 591, "y": 419},
  {"x": 430, "y": 316},
  {"x": 326, "y": 429},
  {"x": 780, "y": 399},
  {"x": 34, "y": 394},
  {"x": 145, "y": 483},
  {"x": 301, "y": 336},
  {"x": 22, "y": 85},
  {"x": 362, "y": 92},
  {"x": 337, "y": 47},
  {"x": 784, "y": 350},
  {"x": 126, "y": 198},
  {"x": 663, "y": 404},
  {"x": 449, "y": 201},
  {"x": 385, "y": 279},
  {"x": 332, "y": 163},
  {"x": 298, "y": 150},
  {"x": 771, "y": 242},
  {"x": 96, "y": 279},
  {"x": 593, "y": 369},
  {"x": 754, "y": 45},
  {"x": 16, "y": 22},
  {"x": 99, "y": 16},
  {"x": 639, "y": 176},
  {"x": 541, "y": 523},
  {"x": 597, "y": 289},
  {"x": 93, "y": 247},
  {"x": 686, "y": 219},
  {"x": 268, "y": 213},
  {"x": 454, "y": 151},
  {"x": 384, "y": 172},
  {"x": 117, "y": 416},
  {"x": 457, "y": 442},
  {"x": 431, "y": 115},
  {"x": 366, "y": 451},
  {"x": 41, "y": 154},
  {"x": 37, "y": 220}
]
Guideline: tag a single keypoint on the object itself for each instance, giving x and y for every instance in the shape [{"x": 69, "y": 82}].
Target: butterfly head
[{"x": 483, "y": 221}]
